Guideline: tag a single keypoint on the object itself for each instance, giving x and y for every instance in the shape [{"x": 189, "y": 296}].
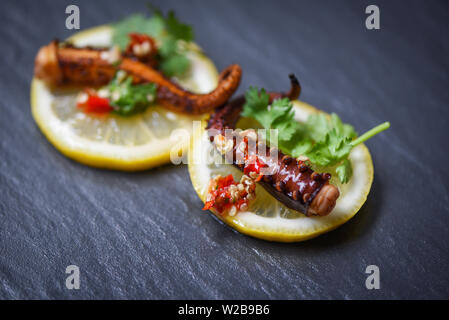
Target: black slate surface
[{"x": 144, "y": 235}]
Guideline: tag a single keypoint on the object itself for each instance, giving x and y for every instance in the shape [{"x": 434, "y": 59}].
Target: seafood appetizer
[
  {"x": 314, "y": 171},
  {"x": 65, "y": 64},
  {"x": 112, "y": 96}
]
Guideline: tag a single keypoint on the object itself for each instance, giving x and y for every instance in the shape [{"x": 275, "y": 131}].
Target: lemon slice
[
  {"x": 267, "y": 218},
  {"x": 111, "y": 141}
]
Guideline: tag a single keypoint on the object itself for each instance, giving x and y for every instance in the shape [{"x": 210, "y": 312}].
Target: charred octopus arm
[
  {"x": 59, "y": 65},
  {"x": 292, "y": 181}
]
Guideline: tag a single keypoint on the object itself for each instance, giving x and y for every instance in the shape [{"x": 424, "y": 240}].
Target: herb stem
[{"x": 371, "y": 133}]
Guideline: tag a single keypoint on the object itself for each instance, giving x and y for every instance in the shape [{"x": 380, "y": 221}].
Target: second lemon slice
[{"x": 266, "y": 217}]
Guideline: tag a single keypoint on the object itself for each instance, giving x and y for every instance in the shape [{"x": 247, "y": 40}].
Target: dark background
[{"x": 143, "y": 235}]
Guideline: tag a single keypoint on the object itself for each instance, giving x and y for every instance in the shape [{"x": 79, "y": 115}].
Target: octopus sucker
[
  {"x": 293, "y": 182},
  {"x": 67, "y": 65}
]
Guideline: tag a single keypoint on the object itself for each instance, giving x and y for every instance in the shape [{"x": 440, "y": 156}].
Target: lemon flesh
[
  {"x": 269, "y": 219},
  {"x": 110, "y": 141}
]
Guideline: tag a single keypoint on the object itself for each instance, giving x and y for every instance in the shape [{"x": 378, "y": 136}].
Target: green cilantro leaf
[
  {"x": 168, "y": 47},
  {"x": 131, "y": 99},
  {"x": 256, "y": 105},
  {"x": 319, "y": 124},
  {"x": 175, "y": 64},
  {"x": 178, "y": 29},
  {"x": 342, "y": 129},
  {"x": 326, "y": 141},
  {"x": 170, "y": 35},
  {"x": 279, "y": 115},
  {"x": 136, "y": 23},
  {"x": 331, "y": 150},
  {"x": 344, "y": 171}
]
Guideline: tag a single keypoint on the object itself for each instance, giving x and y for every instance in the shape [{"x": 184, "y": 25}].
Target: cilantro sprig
[
  {"x": 170, "y": 35},
  {"x": 326, "y": 141},
  {"x": 128, "y": 99}
]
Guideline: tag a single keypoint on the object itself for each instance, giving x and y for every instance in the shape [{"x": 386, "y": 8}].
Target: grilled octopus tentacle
[
  {"x": 293, "y": 182},
  {"x": 86, "y": 66}
]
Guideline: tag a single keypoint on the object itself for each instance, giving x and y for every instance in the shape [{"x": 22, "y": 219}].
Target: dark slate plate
[{"x": 144, "y": 235}]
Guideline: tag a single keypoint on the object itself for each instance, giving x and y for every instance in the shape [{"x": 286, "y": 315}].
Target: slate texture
[{"x": 143, "y": 235}]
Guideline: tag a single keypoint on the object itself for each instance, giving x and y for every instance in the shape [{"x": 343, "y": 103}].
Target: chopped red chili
[
  {"x": 254, "y": 164},
  {"x": 140, "y": 38},
  {"x": 226, "y": 181},
  {"x": 94, "y": 103},
  {"x": 220, "y": 195}
]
